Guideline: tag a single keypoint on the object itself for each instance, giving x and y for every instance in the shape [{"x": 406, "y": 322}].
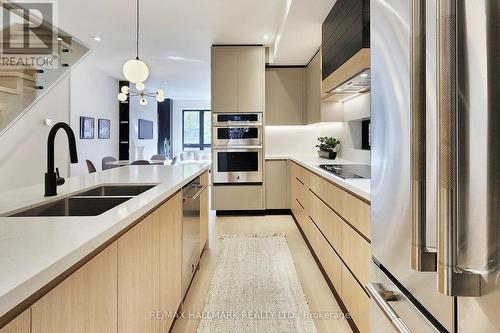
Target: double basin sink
[{"x": 91, "y": 202}]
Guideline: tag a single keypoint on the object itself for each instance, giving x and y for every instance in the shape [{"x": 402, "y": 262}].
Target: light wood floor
[{"x": 317, "y": 292}]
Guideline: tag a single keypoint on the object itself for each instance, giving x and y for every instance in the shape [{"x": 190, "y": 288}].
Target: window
[{"x": 196, "y": 129}]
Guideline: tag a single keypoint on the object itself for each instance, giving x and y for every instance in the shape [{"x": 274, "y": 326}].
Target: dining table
[{"x": 129, "y": 162}]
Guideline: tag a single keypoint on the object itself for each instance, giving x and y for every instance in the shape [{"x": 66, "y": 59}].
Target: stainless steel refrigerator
[{"x": 435, "y": 166}]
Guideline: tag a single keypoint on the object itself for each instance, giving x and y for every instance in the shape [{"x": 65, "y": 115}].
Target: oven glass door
[
  {"x": 238, "y": 166},
  {"x": 225, "y": 136},
  {"x": 237, "y": 118}
]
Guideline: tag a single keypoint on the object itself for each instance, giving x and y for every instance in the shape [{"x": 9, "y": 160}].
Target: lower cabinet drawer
[
  {"x": 301, "y": 193},
  {"x": 356, "y": 252},
  {"x": 238, "y": 197},
  {"x": 351, "y": 208},
  {"x": 328, "y": 258},
  {"x": 356, "y": 301},
  {"x": 327, "y": 221},
  {"x": 301, "y": 217}
]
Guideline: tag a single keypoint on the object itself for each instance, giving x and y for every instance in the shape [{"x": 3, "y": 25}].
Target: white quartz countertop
[
  {"x": 35, "y": 250},
  {"x": 360, "y": 187}
]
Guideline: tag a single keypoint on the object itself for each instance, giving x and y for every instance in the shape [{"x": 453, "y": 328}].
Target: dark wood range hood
[{"x": 346, "y": 50}]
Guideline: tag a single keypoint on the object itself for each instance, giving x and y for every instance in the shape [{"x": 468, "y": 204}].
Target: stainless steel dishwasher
[{"x": 190, "y": 231}]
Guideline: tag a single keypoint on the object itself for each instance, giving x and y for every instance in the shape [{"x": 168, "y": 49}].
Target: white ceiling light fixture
[
  {"x": 136, "y": 71},
  {"x": 96, "y": 38}
]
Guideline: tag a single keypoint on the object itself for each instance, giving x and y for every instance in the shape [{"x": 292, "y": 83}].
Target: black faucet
[{"x": 52, "y": 178}]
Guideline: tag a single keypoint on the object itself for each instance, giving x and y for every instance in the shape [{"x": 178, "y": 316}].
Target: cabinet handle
[
  {"x": 422, "y": 259},
  {"x": 382, "y": 297},
  {"x": 452, "y": 281}
]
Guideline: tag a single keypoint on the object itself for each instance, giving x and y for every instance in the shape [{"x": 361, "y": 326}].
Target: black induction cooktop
[{"x": 348, "y": 171}]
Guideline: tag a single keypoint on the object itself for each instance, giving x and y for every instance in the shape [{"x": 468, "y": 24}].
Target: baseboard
[
  {"x": 259, "y": 212},
  {"x": 278, "y": 212},
  {"x": 327, "y": 279}
]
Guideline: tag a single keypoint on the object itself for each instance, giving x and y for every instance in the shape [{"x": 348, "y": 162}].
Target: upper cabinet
[
  {"x": 345, "y": 46},
  {"x": 285, "y": 96},
  {"x": 238, "y": 78},
  {"x": 313, "y": 90}
]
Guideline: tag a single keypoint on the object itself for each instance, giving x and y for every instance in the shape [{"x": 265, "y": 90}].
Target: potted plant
[{"x": 327, "y": 147}]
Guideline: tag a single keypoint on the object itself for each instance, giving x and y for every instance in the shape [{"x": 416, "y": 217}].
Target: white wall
[
  {"x": 355, "y": 109},
  {"x": 93, "y": 94},
  {"x": 148, "y": 112},
  {"x": 303, "y": 139},
  {"x": 180, "y": 105},
  {"x": 23, "y": 153},
  {"x": 300, "y": 140}
]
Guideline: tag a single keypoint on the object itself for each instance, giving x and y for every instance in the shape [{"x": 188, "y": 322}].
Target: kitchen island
[{"x": 40, "y": 254}]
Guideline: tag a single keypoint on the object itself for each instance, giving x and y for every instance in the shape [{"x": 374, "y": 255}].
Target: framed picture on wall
[
  {"x": 103, "y": 128},
  {"x": 87, "y": 125},
  {"x": 145, "y": 129}
]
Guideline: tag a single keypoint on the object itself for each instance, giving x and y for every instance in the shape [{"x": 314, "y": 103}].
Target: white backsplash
[{"x": 300, "y": 140}]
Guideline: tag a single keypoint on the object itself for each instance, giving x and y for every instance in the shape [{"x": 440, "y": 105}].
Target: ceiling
[{"x": 185, "y": 30}]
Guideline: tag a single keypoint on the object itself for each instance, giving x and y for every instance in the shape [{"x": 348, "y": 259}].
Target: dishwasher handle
[
  {"x": 199, "y": 188},
  {"x": 382, "y": 297}
]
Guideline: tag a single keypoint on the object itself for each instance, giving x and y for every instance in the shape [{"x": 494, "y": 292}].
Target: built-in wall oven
[
  {"x": 237, "y": 165},
  {"x": 224, "y": 136},
  {"x": 237, "y": 119}
]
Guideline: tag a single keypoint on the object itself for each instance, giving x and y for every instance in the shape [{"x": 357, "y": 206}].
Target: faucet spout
[{"x": 51, "y": 177}]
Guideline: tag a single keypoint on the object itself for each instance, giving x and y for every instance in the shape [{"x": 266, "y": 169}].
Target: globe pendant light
[{"x": 136, "y": 70}]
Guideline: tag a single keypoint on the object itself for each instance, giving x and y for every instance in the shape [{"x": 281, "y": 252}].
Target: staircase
[{"x": 21, "y": 88}]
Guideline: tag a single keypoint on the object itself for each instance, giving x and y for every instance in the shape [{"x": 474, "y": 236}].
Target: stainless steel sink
[
  {"x": 116, "y": 190},
  {"x": 74, "y": 206}
]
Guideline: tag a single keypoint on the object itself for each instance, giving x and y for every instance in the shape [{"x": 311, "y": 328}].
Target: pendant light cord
[{"x": 137, "y": 32}]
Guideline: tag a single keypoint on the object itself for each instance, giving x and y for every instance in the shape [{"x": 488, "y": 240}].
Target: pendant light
[{"x": 136, "y": 71}]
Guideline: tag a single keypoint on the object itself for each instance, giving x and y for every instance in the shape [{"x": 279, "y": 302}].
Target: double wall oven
[{"x": 237, "y": 148}]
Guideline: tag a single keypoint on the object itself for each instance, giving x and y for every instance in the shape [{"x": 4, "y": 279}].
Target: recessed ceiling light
[
  {"x": 265, "y": 37},
  {"x": 96, "y": 38},
  {"x": 176, "y": 58},
  {"x": 59, "y": 39},
  {"x": 364, "y": 75}
]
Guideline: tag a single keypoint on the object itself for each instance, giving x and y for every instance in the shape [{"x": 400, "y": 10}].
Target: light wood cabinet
[
  {"x": 251, "y": 67},
  {"x": 85, "y": 302},
  {"x": 225, "y": 79},
  {"x": 313, "y": 90},
  {"x": 149, "y": 270},
  {"x": 328, "y": 222},
  {"x": 238, "y": 78},
  {"x": 139, "y": 277},
  {"x": 276, "y": 184},
  {"x": 356, "y": 301},
  {"x": 349, "y": 207},
  {"x": 341, "y": 250},
  {"x": 21, "y": 324},
  {"x": 234, "y": 197},
  {"x": 285, "y": 96},
  {"x": 204, "y": 211},
  {"x": 170, "y": 221},
  {"x": 356, "y": 253}
]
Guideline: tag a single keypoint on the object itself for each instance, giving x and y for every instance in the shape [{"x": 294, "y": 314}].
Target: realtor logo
[{"x": 29, "y": 37}]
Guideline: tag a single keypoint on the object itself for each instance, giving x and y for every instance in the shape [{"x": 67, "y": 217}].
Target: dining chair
[
  {"x": 90, "y": 166},
  {"x": 158, "y": 157},
  {"x": 140, "y": 162},
  {"x": 105, "y": 163}
]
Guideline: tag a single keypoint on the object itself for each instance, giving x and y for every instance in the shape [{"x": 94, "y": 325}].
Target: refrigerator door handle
[
  {"x": 422, "y": 258},
  {"x": 452, "y": 281},
  {"x": 382, "y": 298}
]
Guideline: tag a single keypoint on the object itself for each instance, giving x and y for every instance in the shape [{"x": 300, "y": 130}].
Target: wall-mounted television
[{"x": 145, "y": 129}]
